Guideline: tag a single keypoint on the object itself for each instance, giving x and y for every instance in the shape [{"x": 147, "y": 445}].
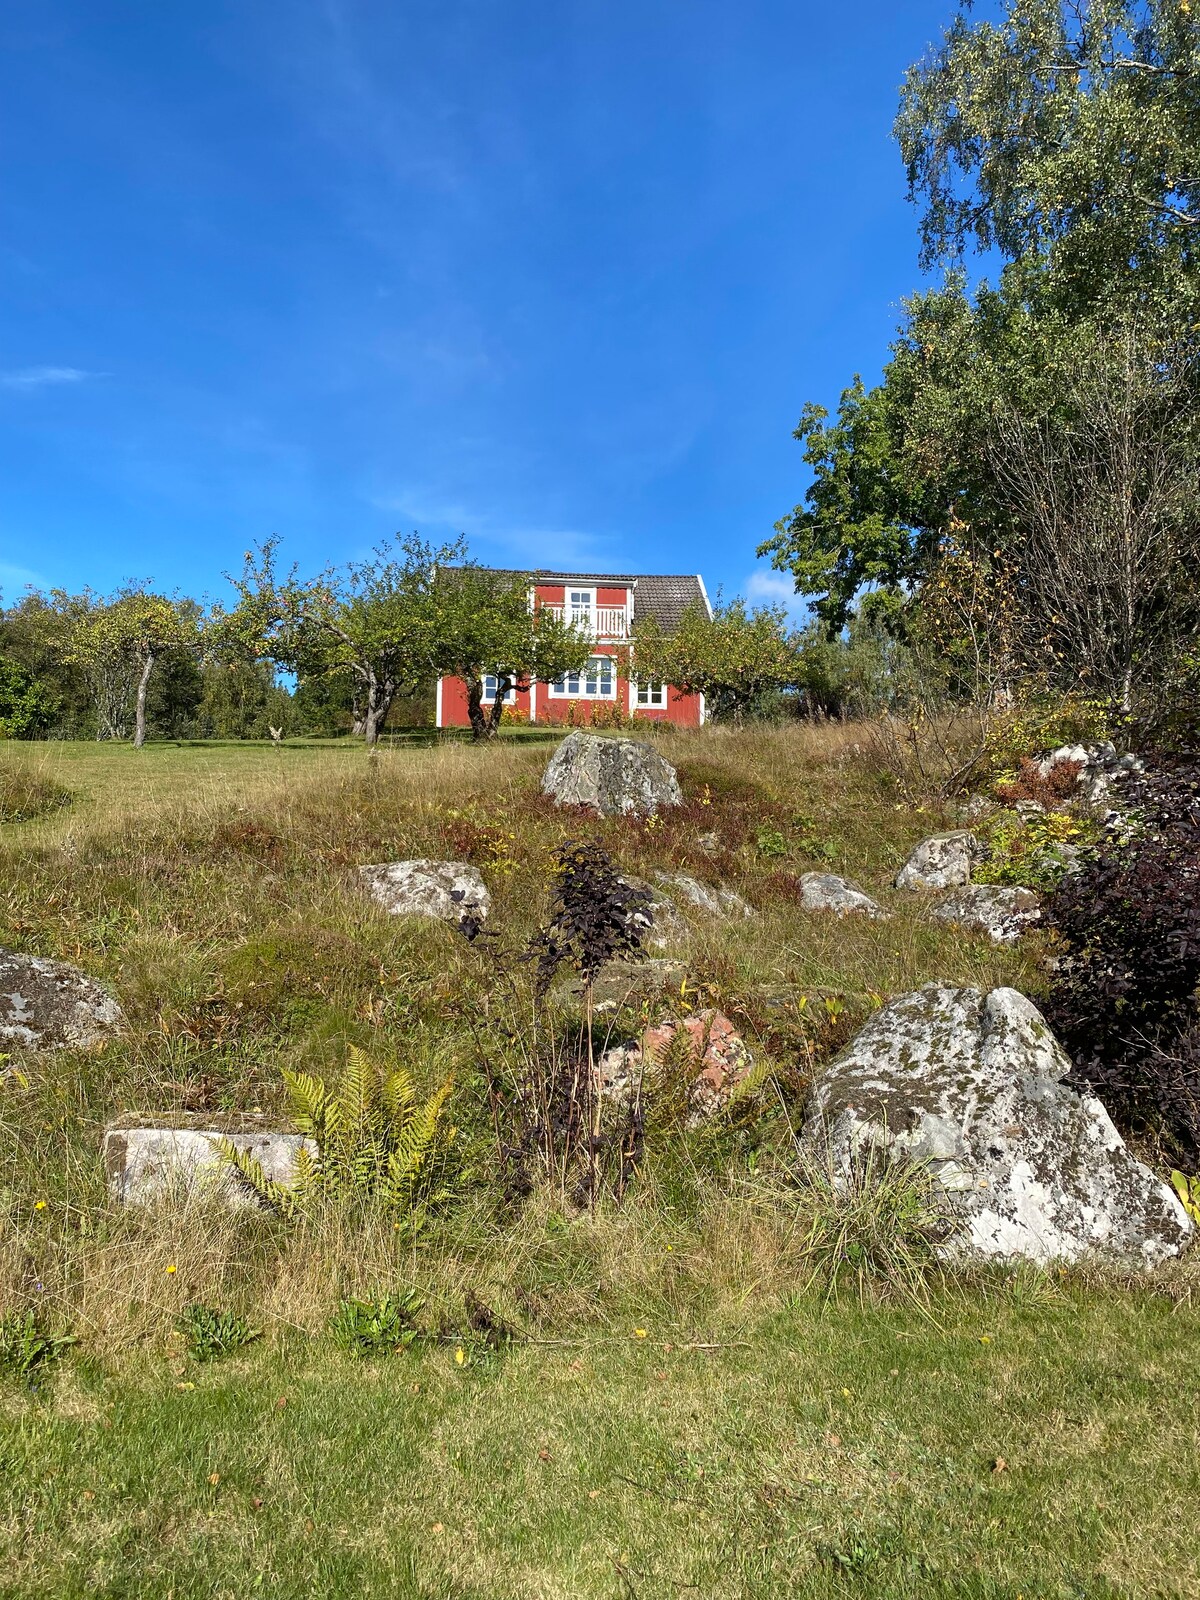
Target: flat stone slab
[
  {"x": 616, "y": 777},
  {"x": 972, "y": 1086},
  {"x": 148, "y": 1166},
  {"x": 49, "y": 1005},
  {"x": 825, "y": 891},
  {"x": 447, "y": 890}
]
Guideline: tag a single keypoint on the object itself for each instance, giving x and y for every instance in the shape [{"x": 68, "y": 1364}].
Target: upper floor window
[{"x": 580, "y": 604}]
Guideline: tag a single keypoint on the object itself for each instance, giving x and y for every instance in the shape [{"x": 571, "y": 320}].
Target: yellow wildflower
[
  {"x": 40, "y": 1206},
  {"x": 172, "y": 1268},
  {"x": 639, "y": 1333},
  {"x": 460, "y": 1356}
]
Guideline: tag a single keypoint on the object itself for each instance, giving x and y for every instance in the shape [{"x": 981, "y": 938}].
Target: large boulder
[
  {"x": 825, "y": 891},
  {"x": 150, "y": 1165},
  {"x": 973, "y": 1085},
  {"x": 616, "y": 777},
  {"x": 448, "y": 890},
  {"x": 717, "y": 900},
  {"x": 943, "y": 861},
  {"x": 49, "y": 1005},
  {"x": 1001, "y": 912}
]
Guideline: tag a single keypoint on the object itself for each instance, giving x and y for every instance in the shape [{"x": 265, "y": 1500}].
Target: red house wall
[{"x": 684, "y": 710}]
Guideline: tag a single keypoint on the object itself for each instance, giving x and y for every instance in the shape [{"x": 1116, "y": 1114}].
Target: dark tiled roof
[{"x": 663, "y": 596}]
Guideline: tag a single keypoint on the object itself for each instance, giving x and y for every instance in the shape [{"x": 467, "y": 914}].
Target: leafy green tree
[
  {"x": 116, "y": 643},
  {"x": 27, "y": 707},
  {"x": 734, "y": 658},
  {"x": 485, "y": 626},
  {"x": 371, "y": 622},
  {"x": 1067, "y": 133},
  {"x": 33, "y": 635}
]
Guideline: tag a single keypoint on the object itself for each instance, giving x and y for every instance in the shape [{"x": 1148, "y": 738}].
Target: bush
[
  {"x": 1033, "y": 852},
  {"x": 1124, "y": 1000}
]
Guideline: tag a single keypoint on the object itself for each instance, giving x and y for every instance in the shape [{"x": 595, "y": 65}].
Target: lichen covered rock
[
  {"x": 616, "y": 777},
  {"x": 50, "y": 1005},
  {"x": 1001, "y": 912},
  {"x": 157, "y": 1165},
  {"x": 973, "y": 1085},
  {"x": 448, "y": 890},
  {"x": 943, "y": 861},
  {"x": 825, "y": 891},
  {"x": 716, "y": 900}
]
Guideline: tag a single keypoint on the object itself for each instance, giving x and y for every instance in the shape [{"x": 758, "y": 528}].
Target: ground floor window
[
  {"x": 491, "y": 687},
  {"x": 653, "y": 695},
  {"x": 597, "y": 681}
]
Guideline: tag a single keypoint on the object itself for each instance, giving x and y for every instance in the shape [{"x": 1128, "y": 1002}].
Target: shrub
[
  {"x": 1029, "y": 782},
  {"x": 1032, "y": 851},
  {"x": 1124, "y": 1000},
  {"x": 26, "y": 1348},
  {"x": 378, "y": 1327},
  {"x": 209, "y": 1334}
]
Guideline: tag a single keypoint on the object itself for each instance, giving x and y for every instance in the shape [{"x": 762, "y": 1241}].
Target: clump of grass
[
  {"x": 875, "y": 1224},
  {"x": 26, "y": 793}
]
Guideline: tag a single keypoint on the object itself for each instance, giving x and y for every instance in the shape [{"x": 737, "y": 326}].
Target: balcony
[{"x": 600, "y": 623}]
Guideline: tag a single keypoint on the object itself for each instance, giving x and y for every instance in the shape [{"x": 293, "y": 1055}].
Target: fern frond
[
  {"x": 397, "y": 1096},
  {"x": 275, "y": 1195},
  {"x": 747, "y": 1087},
  {"x": 358, "y": 1093},
  {"x": 310, "y": 1103}
]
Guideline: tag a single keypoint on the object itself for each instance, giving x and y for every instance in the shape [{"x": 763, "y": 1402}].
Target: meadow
[{"x": 660, "y": 1397}]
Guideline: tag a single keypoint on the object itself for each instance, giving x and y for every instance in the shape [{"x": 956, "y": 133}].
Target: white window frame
[
  {"x": 656, "y": 696},
  {"x": 573, "y": 613},
  {"x": 561, "y": 690},
  {"x": 489, "y": 694}
]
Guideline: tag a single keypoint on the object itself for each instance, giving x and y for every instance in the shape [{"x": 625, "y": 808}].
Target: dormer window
[{"x": 581, "y": 604}]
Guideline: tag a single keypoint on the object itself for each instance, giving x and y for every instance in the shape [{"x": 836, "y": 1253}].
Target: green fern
[{"x": 373, "y": 1140}]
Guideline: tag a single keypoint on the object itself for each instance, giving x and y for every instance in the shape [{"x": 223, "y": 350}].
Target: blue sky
[{"x": 555, "y": 274}]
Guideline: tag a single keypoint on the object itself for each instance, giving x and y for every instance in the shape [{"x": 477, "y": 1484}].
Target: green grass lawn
[{"x": 1032, "y": 1436}]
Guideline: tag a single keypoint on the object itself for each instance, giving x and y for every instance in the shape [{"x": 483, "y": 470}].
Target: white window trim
[
  {"x": 510, "y": 699},
  {"x": 650, "y": 705},
  {"x": 565, "y": 694},
  {"x": 569, "y": 608}
]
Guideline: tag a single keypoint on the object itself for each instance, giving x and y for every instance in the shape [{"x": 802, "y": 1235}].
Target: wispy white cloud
[
  {"x": 14, "y": 578},
  {"x": 767, "y": 587},
  {"x": 43, "y": 377},
  {"x": 499, "y": 538}
]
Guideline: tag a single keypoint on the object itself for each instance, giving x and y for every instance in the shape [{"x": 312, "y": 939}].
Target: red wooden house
[{"x": 605, "y": 606}]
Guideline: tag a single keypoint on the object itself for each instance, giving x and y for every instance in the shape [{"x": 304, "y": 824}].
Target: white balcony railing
[{"x": 601, "y": 622}]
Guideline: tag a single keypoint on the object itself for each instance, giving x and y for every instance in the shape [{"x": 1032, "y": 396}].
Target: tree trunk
[
  {"x": 476, "y": 715},
  {"x": 503, "y": 685},
  {"x": 139, "y": 727},
  {"x": 379, "y": 702}
]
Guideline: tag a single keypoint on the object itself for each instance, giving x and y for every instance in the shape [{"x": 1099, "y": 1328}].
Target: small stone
[
  {"x": 825, "y": 891},
  {"x": 448, "y": 890},
  {"x": 1001, "y": 912},
  {"x": 50, "y": 1005},
  {"x": 710, "y": 843},
  {"x": 659, "y": 919},
  {"x": 718, "y": 901},
  {"x": 615, "y": 777},
  {"x": 943, "y": 861}
]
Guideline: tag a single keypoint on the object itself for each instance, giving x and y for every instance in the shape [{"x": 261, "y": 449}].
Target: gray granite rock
[
  {"x": 448, "y": 890},
  {"x": 616, "y": 777},
  {"x": 943, "y": 861},
  {"x": 717, "y": 900},
  {"x": 825, "y": 891},
  {"x": 973, "y": 1085},
  {"x": 662, "y": 923},
  {"x": 49, "y": 1005},
  {"x": 1001, "y": 912}
]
